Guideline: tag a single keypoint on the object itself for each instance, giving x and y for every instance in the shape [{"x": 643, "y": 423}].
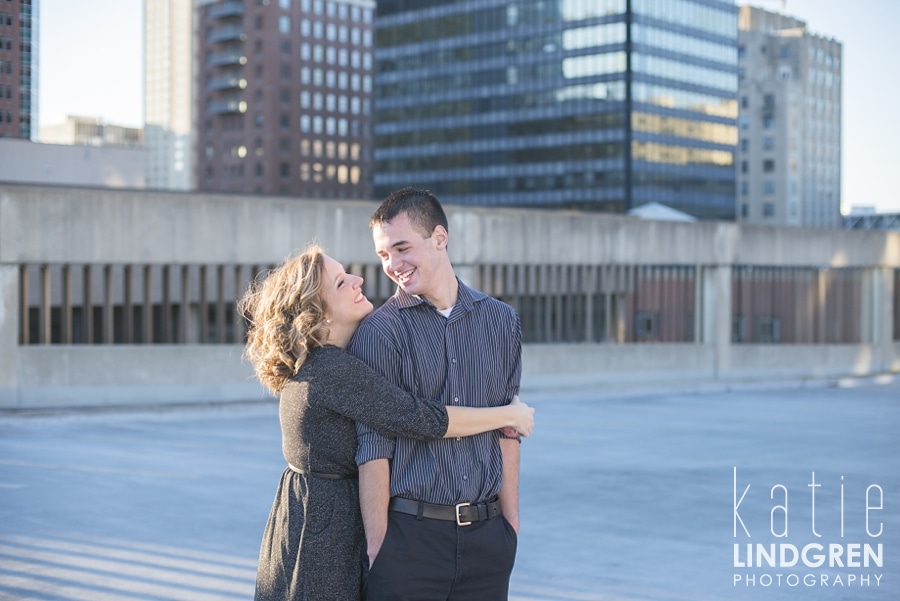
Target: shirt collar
[{"x": 466, "y": 297}]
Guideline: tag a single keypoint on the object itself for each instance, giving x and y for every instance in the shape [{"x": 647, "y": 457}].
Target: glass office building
[{"x": 589, "y": 104}]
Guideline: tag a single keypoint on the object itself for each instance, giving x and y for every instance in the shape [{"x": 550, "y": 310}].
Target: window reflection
[
  {"x": 575, "y": 10},
  {"x": 685, "y": 128},
  {"x": 685, "y": 44},
  {"x": 682, "y": 99},
  {"x": 680, "y": 71},
  {"x": 593, "y": 64},
  {"x": 689, "y": 14},
  {"x": 596, "y": 35},
  {"x": 679, "y": 155}
]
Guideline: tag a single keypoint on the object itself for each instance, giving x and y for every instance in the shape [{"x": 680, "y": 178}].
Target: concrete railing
[{"x": 127, "y": 297}]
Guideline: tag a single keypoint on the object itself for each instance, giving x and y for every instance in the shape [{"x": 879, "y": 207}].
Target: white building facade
[
  {"x": 168, "y": 77},
  {"x": 789, "y": 154}
]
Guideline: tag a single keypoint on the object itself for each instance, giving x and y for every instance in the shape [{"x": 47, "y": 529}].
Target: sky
[{"x": 90, "y": 65}]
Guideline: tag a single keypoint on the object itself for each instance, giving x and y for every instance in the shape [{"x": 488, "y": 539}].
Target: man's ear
[{"x": 441, "y": 237}]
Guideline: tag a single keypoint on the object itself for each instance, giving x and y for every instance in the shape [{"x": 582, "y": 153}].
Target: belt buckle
[{"x": 459, "y": 522}]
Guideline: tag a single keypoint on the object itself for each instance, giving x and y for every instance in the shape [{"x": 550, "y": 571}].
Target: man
[{"x": 441, "y": 517}]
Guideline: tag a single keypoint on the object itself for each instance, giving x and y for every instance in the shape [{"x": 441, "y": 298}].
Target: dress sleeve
[{"x": 360, "y": 393}]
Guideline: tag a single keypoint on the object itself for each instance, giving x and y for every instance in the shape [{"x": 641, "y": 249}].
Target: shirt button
[
  {"x": 456, "y": 399},
  {"x": 465, "y": 477},
  {"x": 458, "y": 439},
  {"x": 452, "y": 360}
]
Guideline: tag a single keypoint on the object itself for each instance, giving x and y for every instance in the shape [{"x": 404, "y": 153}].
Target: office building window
[
  {"x": 768, "y": 187},
  {"x": 768, "y": 166},
  {"x": 647, "y": 325},
  {"x": 768, "y": 328},
  {"x": 768, "y": 209}
]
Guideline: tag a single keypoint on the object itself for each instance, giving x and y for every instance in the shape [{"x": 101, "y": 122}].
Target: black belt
[
  {"x": 323, "y": 474},
  {"x": 461, "y": 513}
]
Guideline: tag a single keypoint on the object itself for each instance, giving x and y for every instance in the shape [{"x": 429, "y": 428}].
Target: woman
[{"x": 301, "y": 318}]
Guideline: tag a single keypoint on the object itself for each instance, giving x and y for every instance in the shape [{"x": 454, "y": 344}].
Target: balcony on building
[
  {"x": 226, "y": 105},
  {"x": 229, "y": 57},
  {"x": 232, "y": 8},
  {"x": 228, "y": 33},
  {"x": 226, "y": 82}
]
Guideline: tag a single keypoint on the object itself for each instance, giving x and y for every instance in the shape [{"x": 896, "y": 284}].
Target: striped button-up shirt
[{"x": 471, "y": 358}]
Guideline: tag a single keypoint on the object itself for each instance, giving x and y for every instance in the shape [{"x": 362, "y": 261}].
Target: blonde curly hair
[{"x": 285, "y": 314}]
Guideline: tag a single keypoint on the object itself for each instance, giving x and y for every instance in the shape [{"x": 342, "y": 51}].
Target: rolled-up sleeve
[
  {"x": 514, "y": 362},
  {"x": 371, "y": 445},
  {"x": 373, "y": 349}
]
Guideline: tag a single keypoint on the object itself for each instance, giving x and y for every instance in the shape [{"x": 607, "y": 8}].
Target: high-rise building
[
  {"x": 19, "y": 46},
  {"x": 283, "y": 97},
  {"x": 91, "y": 131},
  {"x": 591, "y": 104},
  {"x": 168, "y": 86},
  {"x": 790, "y": 122}
]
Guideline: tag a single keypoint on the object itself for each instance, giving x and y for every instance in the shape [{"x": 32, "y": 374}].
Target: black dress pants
[{"x": 435, "y": 560}]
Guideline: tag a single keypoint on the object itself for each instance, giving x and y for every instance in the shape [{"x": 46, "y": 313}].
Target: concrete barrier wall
[
  {"x": 56, "y": 224},
  {"x": 41, "y": 224}
]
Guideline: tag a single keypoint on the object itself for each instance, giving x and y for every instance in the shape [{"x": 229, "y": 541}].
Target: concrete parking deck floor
[{"x": 635, "y": 497}]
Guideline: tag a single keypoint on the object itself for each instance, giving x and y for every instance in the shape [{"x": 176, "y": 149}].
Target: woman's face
[{"x": 342, "y": 293}]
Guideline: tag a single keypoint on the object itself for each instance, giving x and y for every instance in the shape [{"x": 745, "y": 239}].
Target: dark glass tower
[{"x": 590, "y": 104}]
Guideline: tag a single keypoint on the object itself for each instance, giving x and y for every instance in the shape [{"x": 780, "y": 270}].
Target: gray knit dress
[{"x": 312, "y": 548}]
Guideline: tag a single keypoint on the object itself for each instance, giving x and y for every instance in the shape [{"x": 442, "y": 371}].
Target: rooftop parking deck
[{"x": 625, "y": 496}]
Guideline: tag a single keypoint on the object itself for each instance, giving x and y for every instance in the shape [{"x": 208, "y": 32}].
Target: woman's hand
[{"x": 523, "y": 419}]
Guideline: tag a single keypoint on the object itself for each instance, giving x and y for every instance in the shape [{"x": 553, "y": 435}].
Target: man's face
[{"x": 409, "y": 259}]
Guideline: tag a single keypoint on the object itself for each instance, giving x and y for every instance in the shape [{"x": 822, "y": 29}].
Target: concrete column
[
  {"x": 9, "y": 335},
  {"x": 716, "y": 307},
  {"x": 882, "y": 323}
]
